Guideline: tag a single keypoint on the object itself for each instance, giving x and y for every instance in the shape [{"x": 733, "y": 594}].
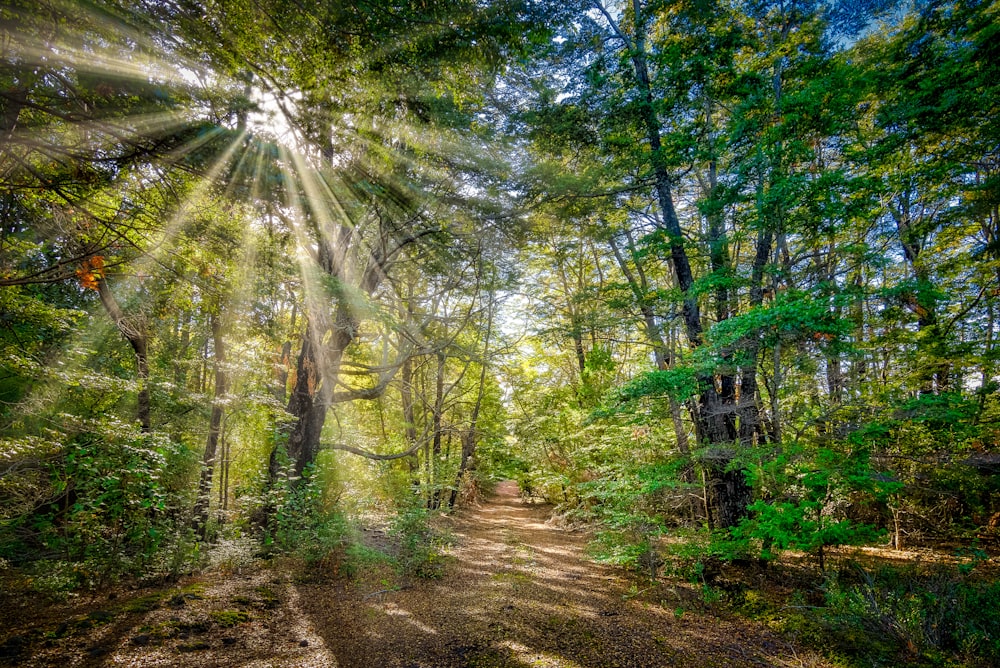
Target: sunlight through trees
[{"x": 717, "y": 278}]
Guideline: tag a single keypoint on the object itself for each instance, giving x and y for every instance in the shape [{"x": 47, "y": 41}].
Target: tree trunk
[
  {"x": 281, "y": 373},
  {"x": 226, "y": 461},
  {"x": 714, "y": 419},
  {"x": 184, "y": 345},
  {"x": 435, "y": 463},
  {"x": 323, "y": 346},
  {"x": 410, "y": 425},
  {"x": 214, "y": 428},
  {"x": 317, "y": 371},
  {"x": 934, "y": 372},
  {"x": 749, "y": 411},
  {"x": 719, "y": 260},
  {"x": 662, "y": 355},
  {"x": 470, "y": 437},
  {"x": 136, "y": 336}
]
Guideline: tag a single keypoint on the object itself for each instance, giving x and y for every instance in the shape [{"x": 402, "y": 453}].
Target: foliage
[
  {"x": 628, "y": 550},
  {"x": 300, "y": 522},
  {"x": 420, "y": 543},
  {"x": 110, "y": 510},
  {"x": 931, "y": 615},
  {"x": 802, "y": 491}
]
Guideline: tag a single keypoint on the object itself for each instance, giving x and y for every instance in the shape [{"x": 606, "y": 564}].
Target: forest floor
[
  {"x": 517, "y": 591},
  {"x": 513, "y": 590}
]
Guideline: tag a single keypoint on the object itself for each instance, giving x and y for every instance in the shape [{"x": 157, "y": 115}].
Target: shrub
[
  {"x": 935, "y": 615},
  {"x": 806, "y": 487},
  {"x": 109, "y": 512},
  {"x": 627, "y": 549},
  {"x": 299, "y": 520},
  {"x": 420, "y": 545}
]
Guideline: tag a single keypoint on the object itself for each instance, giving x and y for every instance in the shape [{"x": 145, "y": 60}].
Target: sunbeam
[{"x": 499, "y": 332}]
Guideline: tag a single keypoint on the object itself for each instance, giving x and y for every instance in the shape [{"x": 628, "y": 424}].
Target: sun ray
[
  {"x": 129, "y": 291},
  {"x": 315, "y": 295},
  {"x": 128, "y": 52}
]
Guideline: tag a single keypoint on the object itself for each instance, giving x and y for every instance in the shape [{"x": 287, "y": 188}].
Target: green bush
[
  {"x": 300, "y": 522},
  {"x": 699, "y": 554},
  {"x": 634, "y": 551},
  {"x": 803, "y": 488},
  {"x": 420, "y": 545},
  {"x": 111, "y": 512},
  {"x": 940, "y": 615}
]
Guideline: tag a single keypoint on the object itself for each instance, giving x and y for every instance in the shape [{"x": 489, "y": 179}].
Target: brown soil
[
  {"x": 519, "y": 592},
  {"x": 221, "y": 619},
  {"x": 515, "y": 591}
]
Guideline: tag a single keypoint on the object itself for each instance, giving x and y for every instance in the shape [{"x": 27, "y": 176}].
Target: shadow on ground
[{"x": 520, "y": 592}]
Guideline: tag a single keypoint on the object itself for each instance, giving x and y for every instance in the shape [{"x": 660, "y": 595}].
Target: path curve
[{"x": 519, "y": 592}]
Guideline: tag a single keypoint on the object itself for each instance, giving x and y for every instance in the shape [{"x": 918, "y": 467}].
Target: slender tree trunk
[
  {"x": 749, "y": 411},
  {"x": 214, "y": 427},
  {"x": 730, "y": 494},
  {"x": 988, "y": 364},
  {"x": 203, "y": 369},
  {"x": 834, "y": 368},
  {"x": 136, "y": 335},
  {"x": 281, "y": 375},
  {"x": 934, "y": 371},
  {"x": 226, "y": 460},
  {"x": 470, "y": 437},
  {"x": 180, "y": 362},
  {"x": 409, "y": 421},
  {"x": 662, "y": 354},
  {"x": 435, "y": 464},
  {"x": 719, "y": 260}
]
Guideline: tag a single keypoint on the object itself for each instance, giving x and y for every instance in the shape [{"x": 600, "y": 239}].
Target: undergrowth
[
  {"x": 887, "y": 616},
  {"x": 421, "y": 545}
]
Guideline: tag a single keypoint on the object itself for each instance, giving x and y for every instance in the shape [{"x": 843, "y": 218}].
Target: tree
[{"x": 650, "y": 104}]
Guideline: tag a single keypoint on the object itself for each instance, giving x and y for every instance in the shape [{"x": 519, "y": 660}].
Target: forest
[{"x": 286, "y": 286}]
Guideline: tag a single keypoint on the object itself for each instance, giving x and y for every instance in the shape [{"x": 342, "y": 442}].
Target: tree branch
[
  {"x": 374, "y": 455},
  {"x": 599, "y": 6}
]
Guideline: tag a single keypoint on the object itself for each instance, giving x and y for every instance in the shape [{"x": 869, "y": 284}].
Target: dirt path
[
  {"x": 515, "y": 592},
  {"x": 519, "y": 592}
]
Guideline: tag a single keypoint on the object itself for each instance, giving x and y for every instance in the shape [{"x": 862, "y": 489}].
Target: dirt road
[{"x": 519, "y": 592}]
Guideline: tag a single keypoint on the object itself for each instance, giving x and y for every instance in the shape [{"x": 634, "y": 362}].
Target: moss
[
  {"x": 193, "y": 646},
  {"x": 101, "y": 616},
  {"x": 268, "y": 599},
  {"x": 143, "y": 604},
  {"x": 229, "y": 618},
  {"x": 180, "y": 599},
  {"x": 174, "y": 627}
]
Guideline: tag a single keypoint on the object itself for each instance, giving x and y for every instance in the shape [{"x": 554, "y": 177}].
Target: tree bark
[
  {"x": 437, "y": 415},
  {"x": 749, "y": 411},
  {"x": 325, "y": 343},
  {"x": 933, "y": 373},
  {"x": 470, "y": 437},
  {"x": 214, "y": 427},
  {"x": 714, "y": 416},
  {"x": 662, "y": 354},
  {"x": 317, "y": 370},
  {"x": 409, "y": 419},
  {"x": 136, "y": 335}
]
